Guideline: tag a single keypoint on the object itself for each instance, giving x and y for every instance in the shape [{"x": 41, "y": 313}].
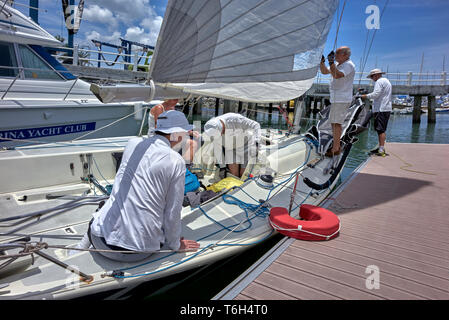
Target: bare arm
[
  {"x": 323, "y": 68},
  {"x": 156, "y": 111},
  {"x": 335, "y": 73}
]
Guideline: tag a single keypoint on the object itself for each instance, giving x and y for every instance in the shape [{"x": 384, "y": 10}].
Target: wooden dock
[{"x": 394, "y": 241}]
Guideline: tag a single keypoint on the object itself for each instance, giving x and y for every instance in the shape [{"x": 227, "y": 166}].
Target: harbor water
[{"x": 207, "y": 282}]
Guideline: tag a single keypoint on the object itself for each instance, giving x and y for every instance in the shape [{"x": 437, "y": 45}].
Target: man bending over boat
[
  {"x": 143, "y": 211},
  {"x": 188, "y": 146},
  {"x": 341, "y": 87},
  {"x": 241, "y": 137}
]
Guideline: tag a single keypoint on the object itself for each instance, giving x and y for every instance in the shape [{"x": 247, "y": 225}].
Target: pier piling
[
  {"x": 431, "y": 105},
  {"x": 417, "y": 109}
]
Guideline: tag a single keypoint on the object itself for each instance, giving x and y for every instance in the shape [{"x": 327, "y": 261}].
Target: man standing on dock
[
  {"x": 341, "y": 87},
  {"x": 381, "y": 107}
]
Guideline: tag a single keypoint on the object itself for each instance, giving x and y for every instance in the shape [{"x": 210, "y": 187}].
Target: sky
[{"x": 408, "y": 29}]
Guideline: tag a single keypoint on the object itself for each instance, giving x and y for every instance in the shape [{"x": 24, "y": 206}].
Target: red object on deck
[{"x": 318, "y": 224}]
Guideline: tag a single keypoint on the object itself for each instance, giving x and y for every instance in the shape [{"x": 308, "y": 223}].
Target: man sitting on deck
[
  {"x": 144, "y": 208},
  {"x": 188, "y": 146}
]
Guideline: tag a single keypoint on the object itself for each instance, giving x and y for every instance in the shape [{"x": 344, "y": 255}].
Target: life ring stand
[{"x": 318, "y": 224}]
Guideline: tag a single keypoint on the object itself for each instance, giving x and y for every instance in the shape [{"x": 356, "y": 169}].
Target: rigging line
[
  {"x": 247, "y": 29},
  {"x": 364, "y": 49},
  {"x": 108, "y": 125},
  {"x": 338, "y": 26},
  {"x": 374, "y": 34}
]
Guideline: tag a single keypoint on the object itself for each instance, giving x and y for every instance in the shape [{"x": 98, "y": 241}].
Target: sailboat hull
[{"x": 46, "y": 280}]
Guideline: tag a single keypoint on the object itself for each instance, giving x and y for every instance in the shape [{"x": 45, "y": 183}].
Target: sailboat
[
  {"x": 248, "y": 50},
  {"x": 40, "y": 101}
]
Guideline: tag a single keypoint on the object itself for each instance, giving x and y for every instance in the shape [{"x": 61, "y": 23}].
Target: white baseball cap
[
  {"x": 172, "y": 121},
  {"x": 213, "y": 127}
]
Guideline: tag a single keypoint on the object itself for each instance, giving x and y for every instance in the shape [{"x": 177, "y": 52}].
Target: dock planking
[{"x": 395, "y": 215}]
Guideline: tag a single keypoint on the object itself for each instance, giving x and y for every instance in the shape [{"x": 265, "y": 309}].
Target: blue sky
[{"x": 408, "y": 28}]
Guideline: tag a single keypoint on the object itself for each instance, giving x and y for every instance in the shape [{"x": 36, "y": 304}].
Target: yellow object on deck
[{"x": 226, "y": 183}]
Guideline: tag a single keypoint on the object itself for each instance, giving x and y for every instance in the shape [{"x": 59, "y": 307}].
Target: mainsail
[{"x": 247, "y": 50}]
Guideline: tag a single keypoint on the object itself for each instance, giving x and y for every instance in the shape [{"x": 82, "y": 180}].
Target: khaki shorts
[{"x": 338, "y": 112}]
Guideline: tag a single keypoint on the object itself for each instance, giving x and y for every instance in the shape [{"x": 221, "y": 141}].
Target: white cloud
[
  {"x": 138, "y": 21},
  {"x": 94, "y": 35},
  {"x": 153, "y": 25},
  {"x": 96, "y": 14},
  {"x": 127, "y": 12}
]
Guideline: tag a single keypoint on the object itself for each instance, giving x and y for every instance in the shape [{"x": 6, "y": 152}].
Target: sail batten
[{"x": 229, "y": 47}]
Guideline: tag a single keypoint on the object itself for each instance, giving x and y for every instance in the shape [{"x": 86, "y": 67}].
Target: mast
[{"x": 34, "y": 13}]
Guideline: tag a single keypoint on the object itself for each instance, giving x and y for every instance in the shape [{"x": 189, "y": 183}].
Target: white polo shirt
[
  {"x": 341, "y": 89},
  {"x": 144, "y": 208},
  {"x": 381, "y": 95}
]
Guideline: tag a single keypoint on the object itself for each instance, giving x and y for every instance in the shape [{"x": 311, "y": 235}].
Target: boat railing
[
  {"x": 76, "y": 58},
  {"x": 396, "y": 78},
  {"x": 21, "y": 76}
]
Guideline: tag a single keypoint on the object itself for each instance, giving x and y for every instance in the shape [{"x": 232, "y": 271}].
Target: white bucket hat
[
  {"x": 375, "y": 71},
  {"x": 173, "y": 121}
]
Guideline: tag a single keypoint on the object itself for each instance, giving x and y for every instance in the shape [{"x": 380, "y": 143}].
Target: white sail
[{"x": 247, "y": 50}]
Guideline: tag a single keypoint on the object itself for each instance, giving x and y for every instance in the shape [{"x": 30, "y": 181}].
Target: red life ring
[{"x": 318, "y": 224}]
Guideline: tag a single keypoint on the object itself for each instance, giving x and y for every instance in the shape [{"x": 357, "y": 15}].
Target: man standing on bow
[
  {"x": 381, "y": 107},
  {"x": 341, "y": 88}
]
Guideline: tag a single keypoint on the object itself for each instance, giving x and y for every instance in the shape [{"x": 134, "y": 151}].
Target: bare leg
[
  {"x": 242, "y": 170},
  {"x": 191, "y": 147},
  {"x": 234, "y": 168},
  {"x": 382, "y": 138},
  {"x": 336, "y": 130}
]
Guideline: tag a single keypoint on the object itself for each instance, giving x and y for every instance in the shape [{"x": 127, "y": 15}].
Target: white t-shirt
[
  {"x": 381, "y": 95},
  {"x": 341, "y": 89},
  {"x": 144, "y": 208}
]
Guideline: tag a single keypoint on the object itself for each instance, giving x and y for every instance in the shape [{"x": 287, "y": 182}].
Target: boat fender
[{"x": 317, "y": 224}]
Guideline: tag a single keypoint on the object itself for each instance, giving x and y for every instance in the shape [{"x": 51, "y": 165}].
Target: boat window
[
  {"x": 35, "y": 67},
  {"x": 7, "y": 60}
]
